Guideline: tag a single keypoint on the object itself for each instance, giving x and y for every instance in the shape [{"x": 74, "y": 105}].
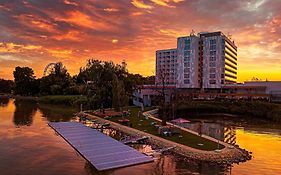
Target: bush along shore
[
  {"x": 68, "y": 100},
  {"x": 227, "y": 155},
  {"x": 254, "y": 109}
]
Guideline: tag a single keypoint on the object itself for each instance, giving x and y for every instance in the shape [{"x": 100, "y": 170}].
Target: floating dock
[{"x": 102, "y": 151}]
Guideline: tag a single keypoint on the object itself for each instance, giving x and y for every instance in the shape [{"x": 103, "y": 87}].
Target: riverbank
[
  {"x": 68, "y": 100},
  {"x": 254, "y": 109},
  {"x": 228, "y": 154}
]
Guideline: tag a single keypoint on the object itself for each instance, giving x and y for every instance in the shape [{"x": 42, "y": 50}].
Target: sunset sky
[{"x": 34, "y": 33}]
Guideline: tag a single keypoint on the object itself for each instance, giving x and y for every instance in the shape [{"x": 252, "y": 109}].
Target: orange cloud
[
  {"x": 165, "y": 3},
  {"x": 36, "y": 22},
  {"x": 16, "y": 48},
  {"x": 70, "y": 35},
  {"x": 141, "y": 4},
  {"x": 60, "y": 53},
  {"x": 83, "y": 20},
  {"x": 70, "y": 2},
  {"x": 111, "y": 10}
]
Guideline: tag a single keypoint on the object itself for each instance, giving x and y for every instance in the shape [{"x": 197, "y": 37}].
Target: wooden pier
[{"x": 102, "y": 151}]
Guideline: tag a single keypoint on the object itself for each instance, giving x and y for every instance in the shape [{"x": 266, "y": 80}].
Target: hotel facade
[{"x": 202, "y": 61}]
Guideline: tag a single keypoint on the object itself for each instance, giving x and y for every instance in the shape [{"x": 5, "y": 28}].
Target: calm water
[{"x": 29, "y": 146}]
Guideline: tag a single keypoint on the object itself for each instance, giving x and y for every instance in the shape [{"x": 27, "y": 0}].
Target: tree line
[{"x": 104, "y": 83}]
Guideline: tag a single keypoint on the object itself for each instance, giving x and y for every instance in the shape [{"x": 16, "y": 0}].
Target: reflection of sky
[
  {"x": 266, "y": 153},
  {"x": 34, "y": 149}
]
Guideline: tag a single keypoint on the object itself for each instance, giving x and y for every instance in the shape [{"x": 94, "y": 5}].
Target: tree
[
  {"x": 99, "y": 77},
  {"x": 58, "y": 82},
  {"x": 6, "y": 86},
  {"x": 161, "y": 82},
  {"x": 119, "y": 97},
  {"x": 25, "y": 83}
]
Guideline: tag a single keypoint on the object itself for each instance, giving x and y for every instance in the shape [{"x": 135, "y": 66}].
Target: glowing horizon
[{"x": 35, "y": 33}]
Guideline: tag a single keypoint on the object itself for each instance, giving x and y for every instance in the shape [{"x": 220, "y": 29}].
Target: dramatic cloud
[{"x": 35, "y": 33}]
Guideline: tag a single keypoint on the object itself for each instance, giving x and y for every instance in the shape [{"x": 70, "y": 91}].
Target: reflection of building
[
  {"x": 230, "y": 135},
  {"x": 215, "y": 130}
]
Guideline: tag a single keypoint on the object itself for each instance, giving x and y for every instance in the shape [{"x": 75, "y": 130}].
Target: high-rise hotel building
[
  {"x": 206, "y": 60},
  {"x": 219, "y": 55},
  {"x": 188, "y": 72}
]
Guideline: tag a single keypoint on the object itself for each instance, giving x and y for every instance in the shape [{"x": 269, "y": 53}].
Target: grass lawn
[{"x": 187, "y": 138}]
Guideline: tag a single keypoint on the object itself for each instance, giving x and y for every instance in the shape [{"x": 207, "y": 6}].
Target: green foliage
[
  {"x": 71, "y": 100},
  {"x": 95, "y": 80},
  {"x": 107, "y": 84},
  {"x": 119, "y": 97},
  {"x": 58, "y": 82},
  {"x": 25, "y": 83}
]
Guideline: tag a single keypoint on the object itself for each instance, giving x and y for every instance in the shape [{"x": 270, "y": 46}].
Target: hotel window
[
  {"x": 212, "y": 81},
  {"x": 187, "y": 41},
  {"x": 212, "y": 41},
  {"x": 186, "y": 53},
  {"x": 212, "y": 64},
  {"x": 213, "y": 47},
  {"x": 186, "y": 69},
  {"x": 186, "y": 64},
  {"x": 212, "y": 70},
  {"x": 212, "y": 52},
  {"x": 187, "y": 47},
  {"x": 186, "y": 75},
  {"x": 186, "y": 81},
  {"x": 212, "y": 75},
  {"x": 212, "y": 58}
]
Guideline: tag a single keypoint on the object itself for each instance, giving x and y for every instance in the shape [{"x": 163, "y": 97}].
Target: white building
[
  {"x": 188, "y": 68},
  {"x": 219, "y": 55},
  {"x": 166, "y": 66},
  {"x": 207, "y": 60}
]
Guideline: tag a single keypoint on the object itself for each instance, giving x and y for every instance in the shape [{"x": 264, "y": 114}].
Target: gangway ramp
[{"x": 102, "y": 151}]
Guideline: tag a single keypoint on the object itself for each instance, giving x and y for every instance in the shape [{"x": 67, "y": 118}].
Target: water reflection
[
  {"x": 4, "y": 101},
  {"x": 24, "y": 112},
  {"x": 38, "y": 150},
  {"x": 57, "y": 113},
  {"x": 219, "y": 131}
]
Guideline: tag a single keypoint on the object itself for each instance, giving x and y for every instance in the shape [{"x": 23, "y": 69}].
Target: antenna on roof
[
  {"x": 229, "y": 35},
  {"x": 192, "y": 33}
]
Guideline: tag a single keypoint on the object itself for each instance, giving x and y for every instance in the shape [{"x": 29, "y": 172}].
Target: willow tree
[{"x": 119, "y": 96}]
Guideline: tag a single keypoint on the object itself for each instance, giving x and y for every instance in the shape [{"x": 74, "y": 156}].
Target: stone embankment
[{"x": 227, "y": 155}]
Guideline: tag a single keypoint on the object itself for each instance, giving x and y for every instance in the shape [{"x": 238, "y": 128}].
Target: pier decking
[{"x": 102, "y": 151}]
